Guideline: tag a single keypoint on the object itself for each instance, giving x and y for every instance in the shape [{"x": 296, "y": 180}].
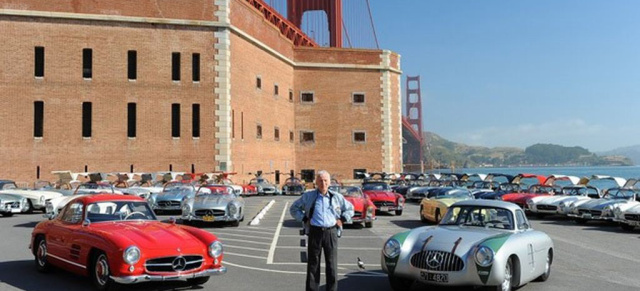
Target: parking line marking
[
  {"x": 244, "y": 248},
  {"x": 297, "y": 235},
  {"x": 339, "y": 248},
  {"x": 274, "y": 242},
  {"x": 240, "y": 235},
  {"x": 242, "y": 230},
  {"x": 243, "y": 255},
  {"x": 246, "y": 241},
  {"x": 322, "y": 264},
  {"x": 357, "y": 274}
]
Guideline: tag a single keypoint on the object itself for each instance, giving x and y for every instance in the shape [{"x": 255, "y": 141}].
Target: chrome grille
[
  {"x": 546, "y": 207},
  {"x": 357, "y": 214},
  {"x": 168, "y": 264},
  {"x": 214, "y": 212},
  {"x": 635, "y": 217},
  {"x": 437, "y": 261},
  {"x": 384, "y": 203},
  {"x": 169, "y": 203},
  {"x": 588, "y": 211}
]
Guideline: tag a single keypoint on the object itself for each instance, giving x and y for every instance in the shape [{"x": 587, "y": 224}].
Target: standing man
[{"x": 322, "y": 212}]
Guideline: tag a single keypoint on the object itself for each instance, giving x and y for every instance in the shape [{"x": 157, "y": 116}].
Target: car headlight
[
  {"x": 484, "y": 256},
  {"x": 215, "y": 249},
  {"x": 391, "y": 248},
  {"x": 41, "y": 200},
  {"x": 152, "y": 200},
  {"x": 186, "y": 208},
  {"x": 233, "y": 209},
  {"x": 131, "y": 255},
  {"x": 617, "y": 212},
  {"x": 529, "y": 202},
  {"x": 369, "y": 211},
  {"x": 607, "y": 210}
]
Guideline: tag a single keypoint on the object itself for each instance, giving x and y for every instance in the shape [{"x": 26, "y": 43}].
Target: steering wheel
[{"x": 134, "y": 213}]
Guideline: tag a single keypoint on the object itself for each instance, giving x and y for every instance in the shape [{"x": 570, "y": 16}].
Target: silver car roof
[{"x": 487, "y": 203}]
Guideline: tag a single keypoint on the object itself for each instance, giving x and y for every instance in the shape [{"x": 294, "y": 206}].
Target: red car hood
[
  {"x": 381, "y": 195},
  {"x": 520, "y": 197},
  {"x": 359, "y": 204},
  {"x": 148, "y": 235}
]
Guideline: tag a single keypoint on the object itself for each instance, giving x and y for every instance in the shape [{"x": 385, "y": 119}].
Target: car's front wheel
[
  {"x": 368, "y": 224},
  {"x": 422, "y": 218},
  {"x": 507, "y": 284},
  {"x": 627, "y": 227},
  {"x": 400, "y": 284},
  {"x": 399, "y": 212},
  {"x": 198, "y": 281},
  {"x": 42, "y": 264},
  {"x": 100, "y": 274},
  {"x": 547, "y": 268},
  {"x": 29, "y": 207}
]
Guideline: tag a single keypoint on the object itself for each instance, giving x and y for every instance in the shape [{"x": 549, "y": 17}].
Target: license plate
[
  {"x": 433, "y": 277},
  {"x": 384, "y": 208},
  {"x": 586, "y": 215},
  {"x": 13, "y": 210},
  {"x": 208, "y": 218}
]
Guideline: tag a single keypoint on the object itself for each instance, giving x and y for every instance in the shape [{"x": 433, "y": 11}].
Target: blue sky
[{"x": 516, "y": 73}]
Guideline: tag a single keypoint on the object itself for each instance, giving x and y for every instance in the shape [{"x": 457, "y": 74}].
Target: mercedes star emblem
[
  {"x": 179, "y": 264},
  {"x": 434, "y": 260}
]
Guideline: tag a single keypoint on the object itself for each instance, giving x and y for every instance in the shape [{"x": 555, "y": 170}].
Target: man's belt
[{"x": 323, "y": 228}]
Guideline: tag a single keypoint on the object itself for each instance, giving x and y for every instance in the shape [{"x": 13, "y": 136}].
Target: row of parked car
[{"x": 570, "y": 196}]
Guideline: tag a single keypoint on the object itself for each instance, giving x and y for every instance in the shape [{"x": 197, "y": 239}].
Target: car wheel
[
  {"x": 100, "y": 273},
  {"x": 198, "y": 281},
  {"x": 508, "y": 275},
  {"x": 400, "y": 284},
  {"x": 627, "y": 227},
  {"x": 399, "y": 212},
  {"x": 437, "y": 216},
  {"x": 7, "y": 214},
  {"x": 547, "y": 268},
  {"x": 368, "y": 224},
  {"x": 42, "y": 264},
  {"x": 540, "y": 215},
  {"x": 422, "y": 218},
  {"x": 235, "y": 223},
  {"x": 29, "y": 207}
]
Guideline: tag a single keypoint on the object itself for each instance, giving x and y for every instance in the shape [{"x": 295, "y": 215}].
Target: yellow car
[{"x": 438, "y": 200}]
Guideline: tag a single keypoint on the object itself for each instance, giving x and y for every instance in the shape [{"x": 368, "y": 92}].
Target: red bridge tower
[{"x": 333, "y": 8}]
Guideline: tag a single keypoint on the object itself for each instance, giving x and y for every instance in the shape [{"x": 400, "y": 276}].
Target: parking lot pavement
[{"x": 271, "y": 256}]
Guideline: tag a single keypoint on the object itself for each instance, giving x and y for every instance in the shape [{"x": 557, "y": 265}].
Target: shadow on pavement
[
  {"x": 23, "y": 275},
  {"x": 28, "y": 224},
  {"x": 409, "y": 224}
]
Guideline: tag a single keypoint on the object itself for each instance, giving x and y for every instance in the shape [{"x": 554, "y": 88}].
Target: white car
[
  {"x": 54, "y": 205},
  {"x": 36, "y": 199},
  {"x": 628, "y": 215},
  {"x": 558, "y": 204}
]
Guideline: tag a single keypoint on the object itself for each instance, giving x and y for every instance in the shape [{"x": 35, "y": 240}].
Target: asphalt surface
[{"x": 272, "y": 255}]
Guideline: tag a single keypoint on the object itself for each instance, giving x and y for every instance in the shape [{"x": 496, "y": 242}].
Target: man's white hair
[{"x": 323, "y": 172}]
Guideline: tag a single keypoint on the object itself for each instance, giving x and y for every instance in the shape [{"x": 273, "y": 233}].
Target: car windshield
[
  {"x": 479, "y": 216},
  {"x": 455, "y": 193},
  {"x": 8, "y": 186},
  {"x": 347, "y": 191},
  {"x": 119, "y": 210},
  {"x": 541, "y": 189},
  {"x": 214, "y": 190},
  {"x": 178, "y": 187},
  {"x": 376, "y": 186},
  {"x": 620, "y": 193}
]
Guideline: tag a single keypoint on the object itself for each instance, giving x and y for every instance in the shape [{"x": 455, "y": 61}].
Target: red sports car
[
  {"x": 116, "y": 239},
  {"x": 383, "y": 197},
  {"x": 364, "y": 210},
  {"x": 533, "y": 191}
]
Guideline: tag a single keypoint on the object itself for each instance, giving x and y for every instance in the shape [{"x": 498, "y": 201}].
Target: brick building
[{"x": 190, "y": 85}]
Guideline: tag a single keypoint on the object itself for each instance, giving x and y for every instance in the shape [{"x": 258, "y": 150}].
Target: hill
[
  {"x": 442, "y": 153},
  {"x": 631, "y": 152}
]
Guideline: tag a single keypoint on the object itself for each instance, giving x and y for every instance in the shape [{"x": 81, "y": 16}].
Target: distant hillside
[
  {"x": 442, "y": 153},
  {"x": 632, "y": 152}
]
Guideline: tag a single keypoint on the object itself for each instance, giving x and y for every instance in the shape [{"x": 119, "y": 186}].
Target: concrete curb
[{"x": 256, "y": 220}]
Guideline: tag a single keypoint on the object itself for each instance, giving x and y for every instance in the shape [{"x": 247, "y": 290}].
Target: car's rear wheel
[
  {"x": 422, "y": 218},
  {"x": 100, "y": 273},
  {"x": 507, "y": 284},
  {"x": 42, "y": 264},
  {"x": 627, "y": 227},
  {"x": 29, "y": 207},
  {"x": 400, "y": 284},
  {"x": 547, "y": 268},
  {"x": 198, "y": 281},
  {"x": 368, "y": 224}
]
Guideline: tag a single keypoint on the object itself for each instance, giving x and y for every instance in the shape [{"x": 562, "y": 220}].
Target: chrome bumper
[{"x": 153, "y": 278}]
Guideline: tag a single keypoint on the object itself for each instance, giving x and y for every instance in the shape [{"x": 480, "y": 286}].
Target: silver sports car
[
  {"x": 214, "y": 203},
  {"x": 172, "y": 196},
  {"x": 478, "y": 243}
]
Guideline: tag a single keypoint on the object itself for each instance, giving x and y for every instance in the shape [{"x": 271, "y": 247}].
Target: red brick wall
[
  {"x": 333, "y": 117},
  {"x": 63, "y": 90},
  {"x": 337, "y": 56},
  {"x": 179, "y": 9},
  {"x": 260, "y": 106}
]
